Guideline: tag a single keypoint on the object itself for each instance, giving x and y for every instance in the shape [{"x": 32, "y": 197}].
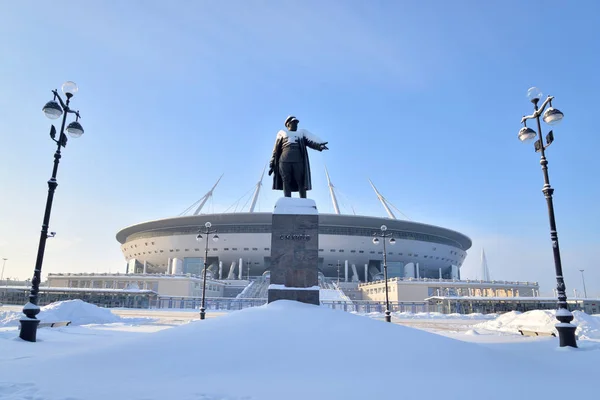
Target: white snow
[
  {"x": 588, "y": 326},
  {"x": 289, "y": 350},
  {"x": 295, "y": 205},
  {"x": 76, "y": 311},
  {"x": 275, "y": 286}
]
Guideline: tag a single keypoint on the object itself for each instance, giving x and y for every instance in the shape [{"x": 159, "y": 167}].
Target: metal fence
[{"x": 225, "y": 304}]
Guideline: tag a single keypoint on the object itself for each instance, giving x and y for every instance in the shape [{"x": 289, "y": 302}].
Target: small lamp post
[
  {"x": 207, "y": 231},
  {"x": 551, "y": 116},
  {"x": 53, "y": 110},
  {"x": 383, "y": 236}
]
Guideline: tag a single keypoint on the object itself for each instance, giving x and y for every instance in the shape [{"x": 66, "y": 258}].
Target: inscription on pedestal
[{"x": 295, "y": 252}]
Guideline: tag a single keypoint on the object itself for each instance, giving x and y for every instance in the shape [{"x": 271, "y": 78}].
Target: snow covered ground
[{"x": 288, "y": 350}]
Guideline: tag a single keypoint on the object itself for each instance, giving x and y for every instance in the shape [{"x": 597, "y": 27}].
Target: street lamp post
[
  {"x": 551, "y": 116},
  {"x": 207, "y": 231},
  {"x": 53, "y": 110},
  {"x": 383, "y": 235},
  {"x": 3, "y": 265},
  {"x": 583, "y": 279}
]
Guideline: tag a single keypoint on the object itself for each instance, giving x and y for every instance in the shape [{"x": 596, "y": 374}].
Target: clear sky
[{"x": 423, "y": 97}]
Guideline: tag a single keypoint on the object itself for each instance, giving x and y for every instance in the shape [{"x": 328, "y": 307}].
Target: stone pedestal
[{"x": 295, "y": 251}]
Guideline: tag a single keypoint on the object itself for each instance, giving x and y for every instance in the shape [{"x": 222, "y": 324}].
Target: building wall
[
  {"x": 168, "y": 285},
  {"x": 255, "y": 249},
  {"x": 419, "y": 290}
]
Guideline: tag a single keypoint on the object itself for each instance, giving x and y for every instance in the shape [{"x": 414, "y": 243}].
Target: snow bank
[
  {"x": 77, "y": 311},
  {"x": 430, "y": 315},
  {"x": 284, "y": 351},
  {"x": 588, "y": 326}
]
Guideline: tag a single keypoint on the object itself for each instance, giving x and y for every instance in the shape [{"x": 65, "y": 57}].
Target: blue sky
[{"x": 423, "y": 97}]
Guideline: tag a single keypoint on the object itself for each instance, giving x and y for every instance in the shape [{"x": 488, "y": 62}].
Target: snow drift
[
  {"x": 77, "y": 311},
  {"x": 588, "y": 326}
]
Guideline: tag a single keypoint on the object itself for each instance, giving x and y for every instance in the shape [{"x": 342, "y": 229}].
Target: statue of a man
[{"x": 289, "y": 162}]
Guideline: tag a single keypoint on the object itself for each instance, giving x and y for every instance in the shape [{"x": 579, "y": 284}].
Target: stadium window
[
  {"x": 321, "y": 250},
  {"x": 352, "y": 251},
  {"x": 171, "y": 250},
  {"x": 341, "y": 251},
  {"x": 215, "y": 249},
  {"x": 225, "y": 248},
  {"x": 196, "y": 249},
  {"x": 161, "y": 251},
  {"x": 267, "y": 249},
  {"x": 254, "y": 249},
  {"x": 361, "y": 251},
  {"x": 372, "y": 252},
  {"x": 152, "y": 242},
  {"x": 246, "y": 249},
  {"x": 234, "y": 248},
  {"x": 332, "y": 250},
  {"x": 187, "y": 250}
]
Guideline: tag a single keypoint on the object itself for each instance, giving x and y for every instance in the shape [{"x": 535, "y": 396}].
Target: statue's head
[{"x": 291, "y": 123}]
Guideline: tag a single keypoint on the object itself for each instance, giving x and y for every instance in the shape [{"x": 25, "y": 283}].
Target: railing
[
  {"x": 222, "y": 304},
  {"x": 461, "y": 281}
]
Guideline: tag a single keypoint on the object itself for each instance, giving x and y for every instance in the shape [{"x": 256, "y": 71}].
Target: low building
[
  {"x": 412, "y": 289},
  {"x": 165, "y": 285},
  {"x": 489, "y": 305},
  {"x": 15, "y": 295}
]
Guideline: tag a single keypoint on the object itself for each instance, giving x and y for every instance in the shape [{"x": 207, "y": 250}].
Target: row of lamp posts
[{"x": 57, "y": 108}]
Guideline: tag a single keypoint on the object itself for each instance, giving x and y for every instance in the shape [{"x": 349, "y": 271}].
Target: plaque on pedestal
[{"x": 295, "y": 251}]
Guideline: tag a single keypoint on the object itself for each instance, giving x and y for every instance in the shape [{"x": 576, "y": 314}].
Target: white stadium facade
[{"x": 170, "y": 246}]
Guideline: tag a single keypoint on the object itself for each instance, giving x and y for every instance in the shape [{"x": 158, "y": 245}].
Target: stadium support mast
[
  {"x": 383, "y": 201},
  {"x": 484, "y": 267},
  {"x": 336, "y": 208},
  {"x": 257, "y": 190},
  {"x": 208, "y": 195}
]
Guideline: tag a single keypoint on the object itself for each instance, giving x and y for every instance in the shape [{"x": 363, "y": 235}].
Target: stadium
[{"x": 170, "y": 246}]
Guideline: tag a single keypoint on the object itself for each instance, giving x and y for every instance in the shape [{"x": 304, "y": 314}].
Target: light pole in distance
[
  {"x": 207, "y": 231},
  {"x": 381, "y": 234}
]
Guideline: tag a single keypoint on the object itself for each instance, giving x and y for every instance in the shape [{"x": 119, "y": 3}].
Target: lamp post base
[
  {"x": 388, "y": 317},
  {"x": 28, "y": 330},
  {"x": 566, "y": 335},
  {"x": 202, "y": 313}
]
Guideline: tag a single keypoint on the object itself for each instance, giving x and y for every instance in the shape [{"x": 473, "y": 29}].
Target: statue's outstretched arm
[{"x": 313, "y": 141}]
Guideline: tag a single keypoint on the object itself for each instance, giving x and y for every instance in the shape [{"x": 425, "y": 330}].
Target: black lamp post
[
  {"x": 207, "y": 231},
  {"x": 383, "y": 235},
  {"x": 551, "y": 116},
  {"x": 53, "y": 110}
]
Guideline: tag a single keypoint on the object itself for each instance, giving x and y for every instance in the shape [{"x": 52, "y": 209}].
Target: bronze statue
[{"x": 289, "y": 162}]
